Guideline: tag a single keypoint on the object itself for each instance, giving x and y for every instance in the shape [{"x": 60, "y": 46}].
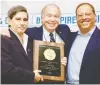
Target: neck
[
  {"x": 50, "y": 30},
  {"x": 21, "y": 37},
  {"x": 84, "y": 31}
]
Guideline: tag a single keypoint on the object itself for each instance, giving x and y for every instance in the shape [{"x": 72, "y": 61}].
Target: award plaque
[{"x": 47, "y": 58}]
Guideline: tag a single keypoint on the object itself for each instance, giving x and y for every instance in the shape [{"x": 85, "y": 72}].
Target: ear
[{"x": 42, "y": 18}]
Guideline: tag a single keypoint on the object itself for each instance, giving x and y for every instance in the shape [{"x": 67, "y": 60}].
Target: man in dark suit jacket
[
  {"x": 50, "y": 17},
  {"x": 84, "y": 48},
  {"x": 37, "y": 32}
]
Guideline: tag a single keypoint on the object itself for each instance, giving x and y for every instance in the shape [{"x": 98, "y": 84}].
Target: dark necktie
[{"x": 51, "y": 37}]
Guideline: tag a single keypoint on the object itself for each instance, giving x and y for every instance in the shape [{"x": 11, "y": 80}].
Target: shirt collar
[
  {"x": 24, "y": 36},
  {"x": 47, "y": 33}
]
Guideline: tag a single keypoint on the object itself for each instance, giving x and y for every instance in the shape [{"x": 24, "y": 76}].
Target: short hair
[
  {"x": 15, "y": 9},
  {"x": 93, "y": 10},
  {"x": 48, "y": 6}
]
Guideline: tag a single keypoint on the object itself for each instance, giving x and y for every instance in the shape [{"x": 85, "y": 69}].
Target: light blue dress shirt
[{"x": 76, "y": 55}]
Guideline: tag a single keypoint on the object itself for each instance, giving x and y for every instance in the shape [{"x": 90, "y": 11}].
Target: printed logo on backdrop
[{"x": 35, "y": 20}]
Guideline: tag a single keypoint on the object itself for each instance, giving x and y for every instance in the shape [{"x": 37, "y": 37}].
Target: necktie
[{"x": 51, "y": 37}]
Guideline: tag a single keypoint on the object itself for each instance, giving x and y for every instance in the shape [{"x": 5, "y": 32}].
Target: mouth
[
  {"x": 85, "y": 20},
  {"x": 52, "y": 24},
  {"x": 22, "y": 28}
]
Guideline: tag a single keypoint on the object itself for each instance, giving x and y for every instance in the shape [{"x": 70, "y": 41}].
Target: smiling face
[
  {"x": 19, "y": 22},
  {"x": 85, "y": 18},
  {"x": 50, "y": 17}
]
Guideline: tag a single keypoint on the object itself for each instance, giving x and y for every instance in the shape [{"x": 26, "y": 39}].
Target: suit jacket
[
  {"x": 16, "y": 65},
  {"x": 90, "y": 67},
  {"x": 37, "y": 33}
]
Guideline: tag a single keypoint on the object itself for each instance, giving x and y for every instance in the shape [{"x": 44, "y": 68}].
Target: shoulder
[
  {"x": 63, "y": 27},
  {"x": 32, "y": 30},
  {"x": 5, "y": 41},
  {"x": 5, "y": 38}
]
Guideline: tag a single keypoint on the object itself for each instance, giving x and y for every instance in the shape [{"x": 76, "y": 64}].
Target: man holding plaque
[{"x": 51, "y": 31}]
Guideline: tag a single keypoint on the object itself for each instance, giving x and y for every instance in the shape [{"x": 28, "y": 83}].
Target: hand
[
  {"x": 64, "y": 61},
  {"x": 99, "y": 27},
  {"x": 5, "y": 32},
  {"x": 37, "y": 77}
]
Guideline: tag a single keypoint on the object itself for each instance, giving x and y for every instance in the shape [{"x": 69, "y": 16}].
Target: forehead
[
  {"x": 52, "y": 9},
  {"x": 21, "y": 15},
  {"x": 84, "y": 8}
]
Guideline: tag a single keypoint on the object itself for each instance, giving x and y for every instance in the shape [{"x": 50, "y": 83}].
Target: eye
[
  {"x": 25, "y": 19},
  {"x": 48, "y": 15},
  {"x": 80, "y": 15},
  {"x": 56, "y": 16},
  {"x": 88, "y": 14},
  {"x": 18, "y": 18}
]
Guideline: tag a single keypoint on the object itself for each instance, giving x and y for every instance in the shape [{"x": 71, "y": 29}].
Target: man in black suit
[
  {"x": 50, "y": 17},
  {"x": 17, "y": 51}
]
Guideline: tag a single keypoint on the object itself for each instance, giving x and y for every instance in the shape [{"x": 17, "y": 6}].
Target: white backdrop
[{"x": 34, "y": 9}]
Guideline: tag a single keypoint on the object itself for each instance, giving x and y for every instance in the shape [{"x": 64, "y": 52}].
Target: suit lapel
[
  {"x": 60, "y": 33},
  {"x": 92, "y": 44},
  {"x": 16, "y": 42},
  {"x": 30, "y": 50}
]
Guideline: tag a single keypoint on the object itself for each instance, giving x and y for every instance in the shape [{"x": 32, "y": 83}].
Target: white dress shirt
[
  {"x": 46, "y": 36},
  {"x": 24, "y": 40}
]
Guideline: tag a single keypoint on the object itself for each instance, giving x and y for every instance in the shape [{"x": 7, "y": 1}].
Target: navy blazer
[
  {"x": 90, "y": 67},
  {"x": 37, "y": 33},
  {"x": 16, "y": 65}
]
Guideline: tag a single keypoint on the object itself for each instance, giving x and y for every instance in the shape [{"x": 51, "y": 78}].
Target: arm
[{"x": 9, "y": 72}]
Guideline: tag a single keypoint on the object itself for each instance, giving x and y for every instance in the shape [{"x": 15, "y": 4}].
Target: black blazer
[
  {"x": 37, "y": 33},
  {"x": 90, "y": 67},
  {"x": 62, "y": 30},
  {"x": 16, "y": 65}
]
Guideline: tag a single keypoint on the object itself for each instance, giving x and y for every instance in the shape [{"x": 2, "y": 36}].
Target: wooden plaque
[{"x": 47, "y": 58}]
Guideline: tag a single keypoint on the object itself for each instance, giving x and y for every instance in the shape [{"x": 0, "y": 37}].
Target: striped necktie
[{"x": 51, "y": 37}]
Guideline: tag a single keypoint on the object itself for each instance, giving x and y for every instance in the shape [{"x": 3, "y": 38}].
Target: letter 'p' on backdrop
[{"x": 34, "y": 8}]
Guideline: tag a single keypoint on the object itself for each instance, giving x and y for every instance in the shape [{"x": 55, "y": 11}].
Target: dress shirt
[
  {"x": 76, "y": 55},
  {"x": 23, "y": 41},
  {"x": 46, "y": 36}
]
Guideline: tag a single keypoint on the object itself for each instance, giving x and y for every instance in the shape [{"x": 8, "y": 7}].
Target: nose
[
  {"x": 84, "y": 16},
  {"x": 53, "y": 18},
  {"x": 22, "y": 22}
]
